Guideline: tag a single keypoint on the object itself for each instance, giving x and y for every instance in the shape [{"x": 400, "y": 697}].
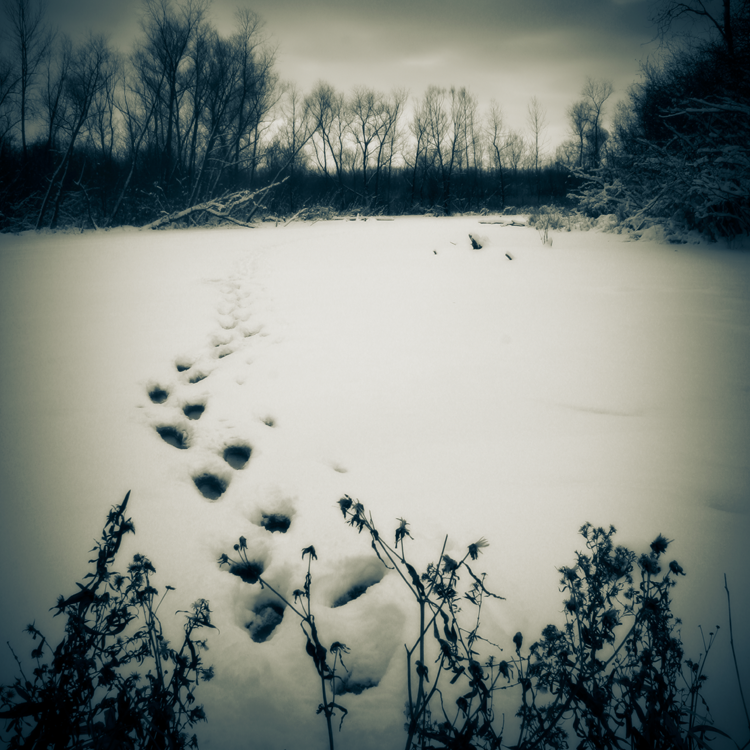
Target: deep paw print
[
  {"x": 276, "y": 514},
  {"x": 266, "y": 616},
  {"x": 194, "y": 410},
  {"x": 356, "y": 577},
  {"x": 212, "y": 485},
  {"x": 266, "y": 610},
  {"x": 237, "y": 455},
  {"x": 174, "y": 435},
  {"x": 157, "y": 394}
]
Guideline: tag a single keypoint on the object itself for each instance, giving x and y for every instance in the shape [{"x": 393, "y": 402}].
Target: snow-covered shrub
[
  {"x": 87, "y": 694},
  {"x": 700, "y": 179}
]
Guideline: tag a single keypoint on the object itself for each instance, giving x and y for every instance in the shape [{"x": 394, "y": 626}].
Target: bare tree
[
  {"x": 332, "y": 117},
  {"x": 499, "y": 145},
  {"x": 53, "y": 101},
  {"x": 30, "y": 40},
  {"x": 161, "y": 57},
  {"x": 90, "y": 71},
  {"x": 224, "y": 88},
  {"x": 537, "y": 122},
  {"x": 388, "y": 137},
  {"x": 717, "y": 14},
  {"x": 9, "y": 80},
  {"x": 365, "y": 122},
  {"x": 103, "y": 129},
  {"x": 258, "y": 90},
  {"x": 578, "y": 119},
  {"x": 595, "y": 94},
  {"x": 137, "y": 111},
  {"x": 468, "y": 141},
  {"x": 445, "y": 133},
  {"x": 293, "y": 135},
  {"x": 418, "y": 130}
]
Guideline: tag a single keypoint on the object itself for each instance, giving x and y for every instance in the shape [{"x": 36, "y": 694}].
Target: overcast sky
[{"x": 509, "y": 50}]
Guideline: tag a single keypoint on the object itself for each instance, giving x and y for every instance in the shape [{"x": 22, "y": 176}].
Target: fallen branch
[{"x": 219, "y": 207}]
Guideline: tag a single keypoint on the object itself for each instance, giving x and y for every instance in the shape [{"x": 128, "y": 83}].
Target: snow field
[{"x": 596, "y": 380}]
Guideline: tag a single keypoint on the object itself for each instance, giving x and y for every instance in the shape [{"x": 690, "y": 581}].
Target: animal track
[
  {"x": 221, "y": 339},
  {"x": 182, "y": 364},
  {"x": 231, "y": 329},
  {"x": 362, "y": 574},
  {"x": 194, "y": 411},
  {"x": 210, "y": 486},
  {"x": 237, "y": 456},
  {"x": 268, "y": 615},
  {"x": 158, "y": 395},
  {"x": 173, "y": 436},
  {"x": 275, "y": 522}
]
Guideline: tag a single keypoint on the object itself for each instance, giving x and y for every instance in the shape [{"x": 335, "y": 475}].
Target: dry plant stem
[
  {"x": 314, "y": 648},
  {"x": 306, "y": 617},
  {"x": 734, "y": 658}
]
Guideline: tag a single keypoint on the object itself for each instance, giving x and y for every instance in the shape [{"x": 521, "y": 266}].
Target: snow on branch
[{"x": 219, "y": 207}]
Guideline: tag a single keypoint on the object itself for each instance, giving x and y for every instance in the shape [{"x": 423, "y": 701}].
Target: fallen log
[{"x": 219, "y": 207}]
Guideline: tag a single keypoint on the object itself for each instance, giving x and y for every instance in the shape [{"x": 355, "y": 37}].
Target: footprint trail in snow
[{"x": 194, "y": 412}]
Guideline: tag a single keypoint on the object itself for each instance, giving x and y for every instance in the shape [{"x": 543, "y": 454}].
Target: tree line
[
  {"x": 87, "y": 134},
  {"x": 94, "y": 138}
]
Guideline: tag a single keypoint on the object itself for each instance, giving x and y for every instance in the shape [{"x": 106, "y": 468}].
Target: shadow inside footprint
[
  {"x": 355, "y": 687},
  {"x": 158, "y": 395},
  {"x": 194, "y": 411},
  {"x": 276, "y": 522},
  {"x": 237, "y": 455},
  {"x": 173, "y": 436},
  {"x": 210, "y": 486},
  {"x": 198, "y": 377},
  {"x": 362, "y": 575},
  {"x": 267, "y": 617}
]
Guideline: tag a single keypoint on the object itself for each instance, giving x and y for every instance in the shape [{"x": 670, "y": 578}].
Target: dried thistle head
[
  {"x": 474, "y": 548},
  {"x": 660, "y": 544},
  {"x": 402, "y": 531}
]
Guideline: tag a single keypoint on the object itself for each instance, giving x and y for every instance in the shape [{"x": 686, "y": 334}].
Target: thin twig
[{"x": 734, "y": 654}]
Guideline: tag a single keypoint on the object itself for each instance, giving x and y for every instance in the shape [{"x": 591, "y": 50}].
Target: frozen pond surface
[{"x": 235, "y": 378}]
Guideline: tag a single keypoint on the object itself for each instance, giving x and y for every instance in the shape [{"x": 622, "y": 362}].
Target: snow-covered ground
[{"x": 596, "y": 380}]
